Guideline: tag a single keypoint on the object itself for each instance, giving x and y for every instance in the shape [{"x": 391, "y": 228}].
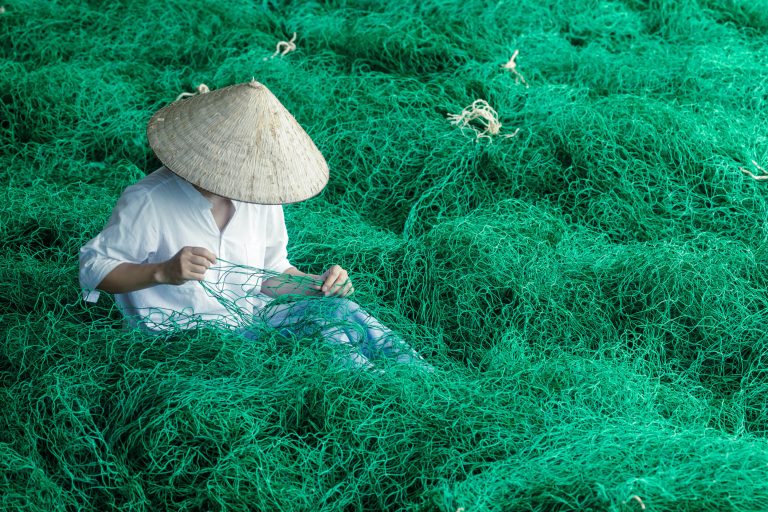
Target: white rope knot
[
  {"x": 201, "y": 89},
  {"x": 638, "y": 500},
  {"x": 284, "y": 47},
  {"x": 482, "y": 113},
  {"x": 511, "y": 65},
  {"x": 762, "y": 177}
]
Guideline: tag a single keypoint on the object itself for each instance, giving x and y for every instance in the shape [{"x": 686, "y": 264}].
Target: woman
[{"x": 203, "y": 238}]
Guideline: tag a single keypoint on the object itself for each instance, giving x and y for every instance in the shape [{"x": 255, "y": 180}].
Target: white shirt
[{"x": 153, "y": 220}]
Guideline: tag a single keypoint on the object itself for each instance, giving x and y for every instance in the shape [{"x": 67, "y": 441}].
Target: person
[{"x": 202, "y": 240}]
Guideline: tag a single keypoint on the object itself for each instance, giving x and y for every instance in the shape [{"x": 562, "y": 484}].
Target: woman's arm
[
  {"x": 130, "y": 277},
  {"x": 190, "y": 263}
]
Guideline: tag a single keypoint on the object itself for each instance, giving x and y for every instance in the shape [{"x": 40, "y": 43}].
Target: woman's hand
[
  {"x": 190, "y": 263},
  {"x": 336, "y": 282}
]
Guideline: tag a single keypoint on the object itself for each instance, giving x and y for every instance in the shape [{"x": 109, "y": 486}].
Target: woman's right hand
[{"x": 189, "y": 264}]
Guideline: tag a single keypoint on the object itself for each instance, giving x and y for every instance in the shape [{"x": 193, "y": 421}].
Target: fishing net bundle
[{"x": 591, "y": 291}]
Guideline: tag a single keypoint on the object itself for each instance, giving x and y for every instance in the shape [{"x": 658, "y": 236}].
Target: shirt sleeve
[
  {"x": 129, "y": 236},
  {"x": 276, "y": 255}
]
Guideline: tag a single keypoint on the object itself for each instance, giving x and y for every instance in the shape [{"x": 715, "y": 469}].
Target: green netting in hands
[{"x": 591, "y": 291}]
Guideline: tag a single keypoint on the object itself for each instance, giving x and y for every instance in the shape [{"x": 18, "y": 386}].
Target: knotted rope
[
  {"x": 201, "y": 89},
  {"x": 511, "y": 65},
  {"x": 481, "y": 112},
  {"x": 762, "y": 177},
  {"x": 284, "y": 47}
]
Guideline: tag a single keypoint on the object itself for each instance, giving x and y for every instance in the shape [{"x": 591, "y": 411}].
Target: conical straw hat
[{"x": 239, "y": 142}]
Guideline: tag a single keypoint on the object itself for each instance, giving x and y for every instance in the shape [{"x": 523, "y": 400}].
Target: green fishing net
[{"x": 587, "y": 278}]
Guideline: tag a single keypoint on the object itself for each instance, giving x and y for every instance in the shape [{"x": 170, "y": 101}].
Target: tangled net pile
[{"x": 592, "y": 292}]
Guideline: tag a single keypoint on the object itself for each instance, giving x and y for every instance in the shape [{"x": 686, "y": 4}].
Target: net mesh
[{"x": 591, "y": 291}]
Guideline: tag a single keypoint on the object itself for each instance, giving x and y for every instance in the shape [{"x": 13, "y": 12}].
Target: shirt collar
[{"x": 198, "y": 199}]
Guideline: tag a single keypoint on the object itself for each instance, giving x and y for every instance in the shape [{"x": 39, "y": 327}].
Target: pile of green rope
[{"x": 591, "y": 291}]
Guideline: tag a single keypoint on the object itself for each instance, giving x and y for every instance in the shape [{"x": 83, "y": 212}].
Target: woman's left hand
[{"x": 336, "y": 282}]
